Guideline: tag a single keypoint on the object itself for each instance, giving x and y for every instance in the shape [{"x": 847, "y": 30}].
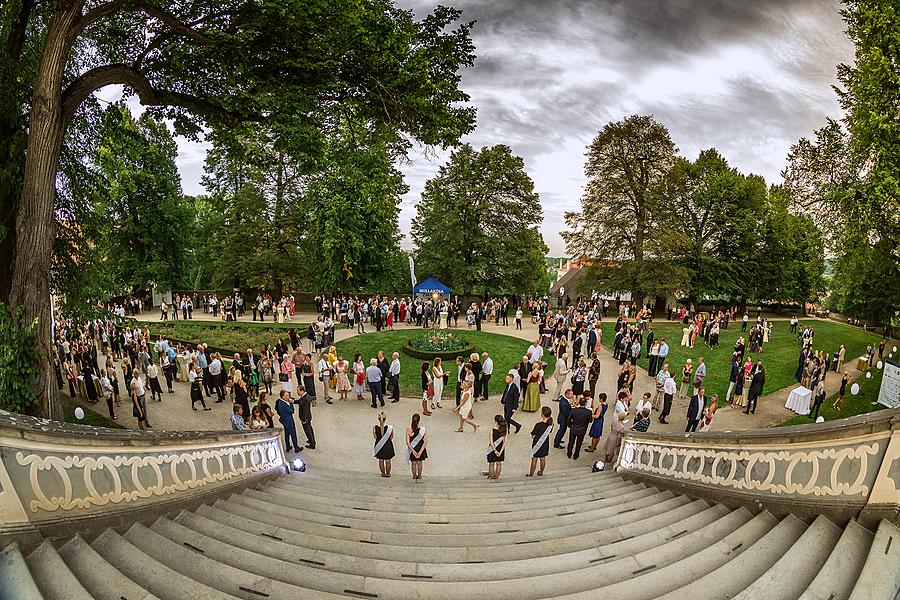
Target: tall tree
[
  {"x": 716, "y": 210},
  {"x": 298, "y": 65},
  {"x": 620, "y": 228},
  {"x": 476, "y": 224}
]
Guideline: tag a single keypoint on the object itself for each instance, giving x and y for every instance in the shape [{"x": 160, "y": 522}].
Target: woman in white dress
[
  {"x": 465, "y": 407},
  {"x": 437, "y": 374}
]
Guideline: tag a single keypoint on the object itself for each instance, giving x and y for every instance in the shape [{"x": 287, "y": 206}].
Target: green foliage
[
  {"x": 476, "y": 225},
  {"x": 437, "y": 340},
  {"x": 231, "y": 337},
  {"x": 19, "y": 360},
  {"x": 621, "y": 227},
  {"x": 505, "y": 350},
  {"x": 846, "y": 178}
]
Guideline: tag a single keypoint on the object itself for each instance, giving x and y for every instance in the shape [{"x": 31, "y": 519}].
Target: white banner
[
  {"x": 890, "y": 385},
  {"x": 412, "y": 271}
]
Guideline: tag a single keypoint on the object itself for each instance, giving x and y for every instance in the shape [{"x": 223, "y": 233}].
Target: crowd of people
[{"x": 294, "y": 367}]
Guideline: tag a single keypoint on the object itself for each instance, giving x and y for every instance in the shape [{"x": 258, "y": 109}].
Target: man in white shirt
[
  {"x": 373, "y": 376},
  {"x": 487, "y": 367},
  {"x": 137, "y": 386},
  {"x": 215, "y": 373},
  {"x": 670, "y": 386},
  {"x": 535, "y": 352},
  {"x": 394, "y": 375}
]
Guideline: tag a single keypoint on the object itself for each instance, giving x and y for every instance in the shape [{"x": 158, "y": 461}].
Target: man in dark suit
[
  {"x": 304, "y": 413},
  {"x": 756, "y": 387},
  {"x": 695, "y": 410},
  {"x": 510, "y": 402},
  {"x": 562, "y": 417},
  {"x": 578, "y": 422}
]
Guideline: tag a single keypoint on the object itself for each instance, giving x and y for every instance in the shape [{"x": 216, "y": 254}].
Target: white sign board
[{"x": 890, "y": 385}]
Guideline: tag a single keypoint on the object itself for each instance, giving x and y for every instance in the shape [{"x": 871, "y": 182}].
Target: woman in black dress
[
  {"x": 416, "y": 446},
  {"x": 384, "y": 444},
  {"x": 497, "y": 440},
  {"x": 241, "y": 392},
  {"x": 540, "y": 440},
  {"x": 309, "y": 380}
]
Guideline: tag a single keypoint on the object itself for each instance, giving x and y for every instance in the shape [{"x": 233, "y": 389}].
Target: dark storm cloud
[{"x": 747, "y": 77}]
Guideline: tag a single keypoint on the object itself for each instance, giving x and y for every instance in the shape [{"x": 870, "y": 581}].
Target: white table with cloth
[{"x": 798, "y": 400}]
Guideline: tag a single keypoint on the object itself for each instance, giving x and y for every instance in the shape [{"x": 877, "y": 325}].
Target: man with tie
[
  {"x": 578, "y": 422},
  {"x": 374, "y": 377},
  {"x": 695, "y": 410},
  {"x": 566, "y": 402},
  {"x": 304, "y": 413},
  {"x": 394, "y": 374},
  {"x": 510, "y": 402}
]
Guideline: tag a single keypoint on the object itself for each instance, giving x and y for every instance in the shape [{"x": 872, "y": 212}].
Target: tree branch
[
  {"x": 167, "y": 18},
  {"x": 87, "y": 83},
  {"x": 16, "y": 40}
]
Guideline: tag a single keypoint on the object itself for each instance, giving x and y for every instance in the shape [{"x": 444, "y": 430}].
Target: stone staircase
[{"x": 570, "y": 534}]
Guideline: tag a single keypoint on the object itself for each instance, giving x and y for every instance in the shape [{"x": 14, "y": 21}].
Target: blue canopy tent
[{"x": 431, "y": 286}]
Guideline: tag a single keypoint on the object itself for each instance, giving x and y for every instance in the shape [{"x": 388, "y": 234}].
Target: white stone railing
[
  {"x": 51, "y": 472},
  {"x": 847, "y": 468}
]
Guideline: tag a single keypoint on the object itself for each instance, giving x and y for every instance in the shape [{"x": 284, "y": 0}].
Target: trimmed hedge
[{"x": 409, "y": 350}]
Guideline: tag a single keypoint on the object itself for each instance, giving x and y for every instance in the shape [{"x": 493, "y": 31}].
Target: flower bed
[{"x": 432, "y": 344}]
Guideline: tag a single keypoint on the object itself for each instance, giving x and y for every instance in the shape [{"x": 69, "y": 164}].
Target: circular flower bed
[{"x": 437, "y": 343}]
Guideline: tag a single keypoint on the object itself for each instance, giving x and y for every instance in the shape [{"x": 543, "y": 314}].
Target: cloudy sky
[{"x": 748, "y": 77}]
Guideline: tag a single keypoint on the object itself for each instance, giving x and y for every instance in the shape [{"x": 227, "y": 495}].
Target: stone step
[
  {"x": 555, "y": 561},
  {"x": 437, "y": 522},
  {"x": 880, "y": 575},
  {"x": 840, "y": 572},
  {"x": 52, "y": 576},
  {"x": 490, "y": 491},
  {"x": 194, "y": 566},
  {"x": 511, "y": 482},
  {"x": 792, "y": 574},
  {"x": 240, "y": 565},
  {"x": 564, "y": 474},
  {"x": 510, "y": 532},
  {"x": 407, "y": 502},
  {"x": 459, "y": 513},
  {"x": 162, "y": 581},
  {"x": 277, "y": 527},
  {"x": 16, "y": 582},
  {"x": 729, "y": 577},
  {"x": 101, "y": 579}
]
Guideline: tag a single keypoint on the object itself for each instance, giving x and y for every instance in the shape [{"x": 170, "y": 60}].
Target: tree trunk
[{"x": 35, "y": 224}]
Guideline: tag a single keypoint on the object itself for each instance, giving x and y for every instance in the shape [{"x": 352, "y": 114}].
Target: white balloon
[
  {"x": 79, "y": 413},
  {"x": 880, "y": 365},
  {"x": 854, "y": 389},
  {"x": 894, "y": 349},
  {"x": 869, "y": 375}
]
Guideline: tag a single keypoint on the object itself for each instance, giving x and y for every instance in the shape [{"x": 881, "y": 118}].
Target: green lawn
[
  {"x": 505, "y": 350},
  {"x": 235, "y": 336},
  {"x": 853, "y": 405},
  {"x": 90, "y": 417},
  {"x": 779, "y": 355}
]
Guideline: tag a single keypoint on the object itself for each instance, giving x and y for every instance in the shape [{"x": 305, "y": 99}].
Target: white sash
[
  {"x": 415, "y": 441},
  {"x": 541, "y": 440},
  {"x": 384, "y": 439},
  {"x": 493, "y": 445}
]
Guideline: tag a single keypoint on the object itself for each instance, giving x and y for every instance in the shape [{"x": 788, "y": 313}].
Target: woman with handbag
[
  {"x": 465, "y": 407},
  {"x": 579, "y": 374},
  {"x": 286, "y": 374},
  {"x": 359, "y": 376}
]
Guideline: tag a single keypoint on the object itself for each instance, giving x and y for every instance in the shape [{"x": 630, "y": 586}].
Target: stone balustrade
[
  {"x": 56, "y": 478},
  {"x": 844, "y": 469}
]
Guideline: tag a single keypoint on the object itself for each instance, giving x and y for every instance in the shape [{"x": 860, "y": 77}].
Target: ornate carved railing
[
  {"x": 54, "y": 475},
  {"x": 844, "y": 469}
]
